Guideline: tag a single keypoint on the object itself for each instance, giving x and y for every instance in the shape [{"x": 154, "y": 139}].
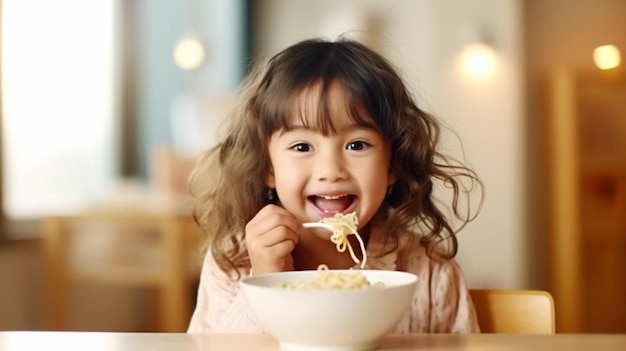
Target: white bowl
[{"x": 307, "y": 320}]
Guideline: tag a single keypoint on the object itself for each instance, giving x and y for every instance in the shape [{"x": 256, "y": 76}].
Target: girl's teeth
[
  {"x": 334, "y": 197},
  {"x": 331, "y": 204}
]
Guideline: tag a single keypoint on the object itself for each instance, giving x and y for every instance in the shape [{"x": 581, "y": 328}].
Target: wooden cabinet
[{"x": 587, "y": 162}]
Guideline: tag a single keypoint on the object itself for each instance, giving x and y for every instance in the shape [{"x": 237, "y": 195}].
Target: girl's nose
[{"x": 330, "y": 167}]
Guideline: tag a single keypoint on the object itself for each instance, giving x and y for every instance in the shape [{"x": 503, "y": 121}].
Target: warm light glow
[
  {"x": 606, "y": 57},
  {"x": 478, "y": 60},
  {"x": 189, "y": 53}
]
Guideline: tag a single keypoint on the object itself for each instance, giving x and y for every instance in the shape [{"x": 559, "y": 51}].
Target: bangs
[{"x": 311, "y": 109}]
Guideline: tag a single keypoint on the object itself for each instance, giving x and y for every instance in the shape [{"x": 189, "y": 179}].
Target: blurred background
[{"x": 105, "y": 104}]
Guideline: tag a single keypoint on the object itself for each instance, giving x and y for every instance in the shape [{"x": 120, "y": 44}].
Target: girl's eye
[
  {"x": 357, "y": 145},
  {"x": 302, "y": 147}
]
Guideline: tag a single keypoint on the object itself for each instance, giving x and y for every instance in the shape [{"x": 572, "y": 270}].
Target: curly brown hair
[{"x": 228, "y": 181}]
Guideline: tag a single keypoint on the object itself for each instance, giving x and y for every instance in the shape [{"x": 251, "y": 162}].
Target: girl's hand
[{"x": 270, "y": 237}]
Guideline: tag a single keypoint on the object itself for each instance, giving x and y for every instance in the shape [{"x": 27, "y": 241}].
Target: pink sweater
[{"x": 441, "y": 303}]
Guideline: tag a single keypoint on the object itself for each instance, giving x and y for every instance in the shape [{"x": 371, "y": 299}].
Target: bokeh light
[
  {"x": 607, "y": 57},
  {"x": 189, "y": 53},
  {"x": 478, "y": 60}
]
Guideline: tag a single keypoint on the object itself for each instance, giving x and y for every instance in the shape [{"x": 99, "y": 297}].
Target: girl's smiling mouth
[{"x": 329, "y": 205}]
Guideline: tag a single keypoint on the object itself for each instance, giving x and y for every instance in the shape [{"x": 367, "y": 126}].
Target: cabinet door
[
  {"x": 602, "y": 134},
  {"x": 588, "y": 201}
]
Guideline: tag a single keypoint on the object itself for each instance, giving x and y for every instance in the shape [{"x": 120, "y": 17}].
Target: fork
[{"x": 318, "y": 225}]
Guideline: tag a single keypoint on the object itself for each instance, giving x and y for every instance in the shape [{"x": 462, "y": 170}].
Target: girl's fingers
[
  {"x": 270, "y": 238},
  {"x": 269, "y": 217},
  {"x": 266, "y": 258},
  {"x": 278, "y": 250}
]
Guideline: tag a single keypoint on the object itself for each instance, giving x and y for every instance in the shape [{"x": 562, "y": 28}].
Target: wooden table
[{"x": 95, "y": 341}]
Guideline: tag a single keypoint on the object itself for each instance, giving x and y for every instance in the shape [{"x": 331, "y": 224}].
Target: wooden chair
[
  {"x": 514, "y": 311},
  {"x": 123, "y": 248}
]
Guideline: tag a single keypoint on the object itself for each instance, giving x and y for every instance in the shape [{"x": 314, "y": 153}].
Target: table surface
[{"x": 27, "y": 340}]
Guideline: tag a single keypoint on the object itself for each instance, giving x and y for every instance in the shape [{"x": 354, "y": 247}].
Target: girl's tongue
[{"x": 332, "y": 206}]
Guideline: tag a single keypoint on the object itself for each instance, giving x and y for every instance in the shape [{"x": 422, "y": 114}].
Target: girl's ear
[
  {"x": 270, "y": 180},
  {"x": 391, "y": 179}
]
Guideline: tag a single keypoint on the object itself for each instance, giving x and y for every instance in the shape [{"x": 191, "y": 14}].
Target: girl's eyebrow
[{"x": 349, "y": 127}]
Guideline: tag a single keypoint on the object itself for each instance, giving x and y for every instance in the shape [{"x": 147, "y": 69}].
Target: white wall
[
  {"x": 423, "y": 38},
  {"x": 489, "y": 119}
]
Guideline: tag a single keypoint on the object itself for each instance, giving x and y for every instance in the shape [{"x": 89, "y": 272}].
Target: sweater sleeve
[
  {"x": 220, "y": 306},
  {"x": 452, "y": 310}
]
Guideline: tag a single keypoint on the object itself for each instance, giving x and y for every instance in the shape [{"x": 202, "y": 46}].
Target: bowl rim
[{"x": 254, "y": 280}]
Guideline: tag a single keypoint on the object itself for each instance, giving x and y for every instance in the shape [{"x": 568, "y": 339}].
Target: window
[{"x": 58, "y": 104}]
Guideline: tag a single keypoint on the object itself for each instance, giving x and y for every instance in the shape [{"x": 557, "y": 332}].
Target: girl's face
[{"x": 318, "y": 175}]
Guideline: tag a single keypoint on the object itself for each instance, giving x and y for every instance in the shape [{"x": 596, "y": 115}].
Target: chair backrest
[{"x": 514, "y": 311}]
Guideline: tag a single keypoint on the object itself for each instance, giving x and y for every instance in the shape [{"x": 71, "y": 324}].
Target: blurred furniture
[
  {"x": 135, "y": 246},
  {"x": 71, "y": 341},
  {"x": 514, "y": 311},
  {"x": 586, "y": 193}
]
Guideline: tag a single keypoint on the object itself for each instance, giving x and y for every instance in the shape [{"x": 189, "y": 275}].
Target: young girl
[{"x": 326, "y": 128}]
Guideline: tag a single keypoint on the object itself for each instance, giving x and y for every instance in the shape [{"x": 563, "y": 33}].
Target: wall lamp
[{"x": 478, "y": 56}]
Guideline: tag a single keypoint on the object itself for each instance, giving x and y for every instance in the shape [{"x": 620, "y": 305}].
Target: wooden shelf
[
  {"x": 138, "y": 277},
  {"x": 128, "y": 248}
]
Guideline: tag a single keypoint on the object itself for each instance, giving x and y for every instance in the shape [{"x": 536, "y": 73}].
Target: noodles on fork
[{"x": 344, "y": 225}]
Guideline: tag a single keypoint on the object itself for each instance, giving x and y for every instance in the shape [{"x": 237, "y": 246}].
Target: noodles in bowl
[
  {"x": 326, "y": 279},
  {"x": 340, "y": 318}
]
